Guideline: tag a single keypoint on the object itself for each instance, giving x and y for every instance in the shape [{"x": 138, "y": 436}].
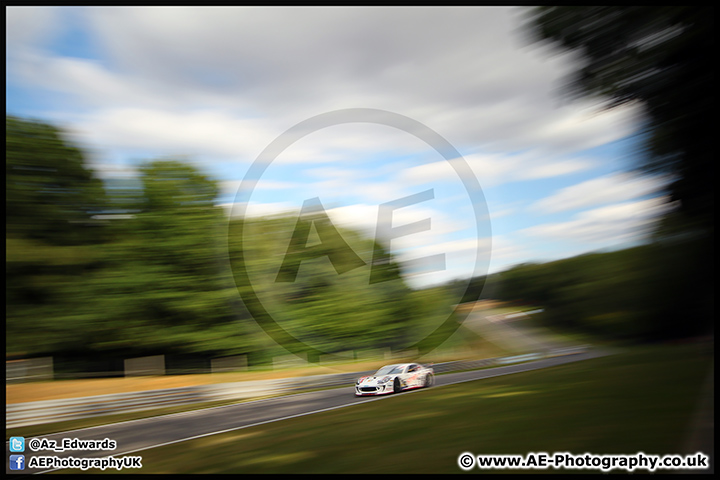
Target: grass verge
[{"x": 640, "y": 400}]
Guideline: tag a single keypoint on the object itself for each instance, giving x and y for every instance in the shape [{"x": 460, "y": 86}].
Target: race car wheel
[
  {"x": 429, "y": 380},
  {"x": 396, "y": 386}
]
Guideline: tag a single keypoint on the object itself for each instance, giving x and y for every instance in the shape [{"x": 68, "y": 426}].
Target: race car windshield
[{"x": 389, "y": 370}]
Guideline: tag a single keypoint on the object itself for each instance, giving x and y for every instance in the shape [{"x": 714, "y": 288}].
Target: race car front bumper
[{"x": 362, "y": 390}]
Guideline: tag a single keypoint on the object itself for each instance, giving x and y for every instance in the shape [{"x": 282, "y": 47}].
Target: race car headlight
[{"x": 384, "y": 379}]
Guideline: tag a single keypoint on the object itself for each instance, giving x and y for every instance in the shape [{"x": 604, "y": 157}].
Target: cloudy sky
[{"x": 218, "y": 86}]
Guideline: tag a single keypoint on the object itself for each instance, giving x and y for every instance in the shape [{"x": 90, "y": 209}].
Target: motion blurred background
[{"x": 129, "y": 130}]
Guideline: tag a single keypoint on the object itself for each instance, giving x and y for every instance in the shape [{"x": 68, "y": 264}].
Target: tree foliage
[
  {"x": 638, "y": 294},
  {"x": 661, "y": 57},
  {"x": 84, "y": 280},
  {"x": 50, "y": 195},
  {"x": 321, "y": 311},
  {"x": 144, "y": 267}
]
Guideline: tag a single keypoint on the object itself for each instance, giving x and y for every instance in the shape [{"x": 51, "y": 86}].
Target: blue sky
[{"x": 216, "y": 86}]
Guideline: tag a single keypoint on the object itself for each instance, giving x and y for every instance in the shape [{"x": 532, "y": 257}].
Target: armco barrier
[{"x": 49, "y": 411}]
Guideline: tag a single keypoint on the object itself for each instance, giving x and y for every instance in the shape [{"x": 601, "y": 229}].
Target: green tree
[
  {"x": 320, "y": 310},
  {"x": 165, "y": 278},
  {"x": 51, "y": 198},
  {"x": 50, "y": 194}
]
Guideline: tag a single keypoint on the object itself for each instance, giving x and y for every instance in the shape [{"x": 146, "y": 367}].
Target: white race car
[{"x": 394, "y": 379}]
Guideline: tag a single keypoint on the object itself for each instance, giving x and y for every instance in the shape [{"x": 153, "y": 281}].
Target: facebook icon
[{"x": 17, "y": 462}]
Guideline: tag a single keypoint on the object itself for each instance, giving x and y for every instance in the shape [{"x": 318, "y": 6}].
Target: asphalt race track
[{"x": 138, "y": 435}]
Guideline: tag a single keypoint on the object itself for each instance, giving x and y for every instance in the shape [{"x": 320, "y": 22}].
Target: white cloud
[
  {"x": 27, "y": 27},
  {"x": 167, "y": 132},
  {"x": 218, "y": 85},
  {"x": 458, "y": 70},
  {"x": 582, "y": 125},
  {"x": 261, "y": 209},
  {"x": 554, "y": 169},
  {"x": 613, "y": 188},
  {"x": 496, "y": 169},
  {"x": 609, "y": 225}
]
